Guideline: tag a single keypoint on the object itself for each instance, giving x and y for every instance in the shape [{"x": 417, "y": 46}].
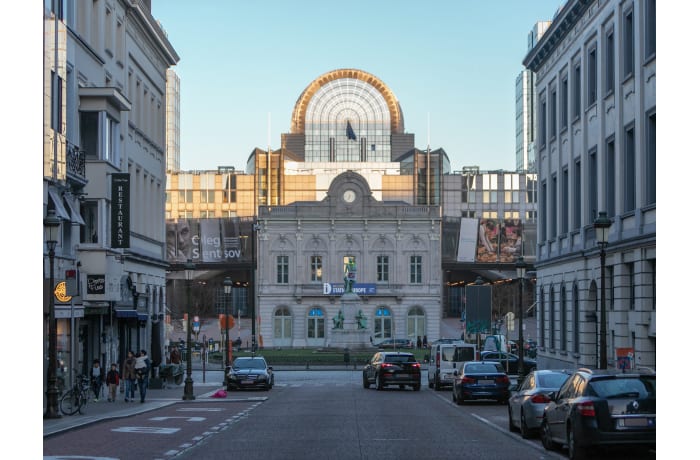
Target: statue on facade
[
  {"x": 338, "y": 320},
  {"x": 350, "y": 272},
  {"x": 361, "y": 320}
]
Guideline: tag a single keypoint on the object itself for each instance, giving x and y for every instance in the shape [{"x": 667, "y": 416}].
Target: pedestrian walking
[
  {"x": 425, "y": 341},
  {"x": 129, "y": 376},
  {"x": 420, "y": 342},
  {"x": 174, "y": 356},
  {"x": 143, "y": 364},
  {"x": 97, "y": 378},
  {"x": 112, "y": 382}
]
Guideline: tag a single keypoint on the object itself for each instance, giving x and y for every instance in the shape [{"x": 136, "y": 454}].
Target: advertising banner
[{"x": 207, "y": 240}]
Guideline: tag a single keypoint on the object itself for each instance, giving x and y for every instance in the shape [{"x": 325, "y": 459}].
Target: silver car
[{"x": 526, "y": 404}]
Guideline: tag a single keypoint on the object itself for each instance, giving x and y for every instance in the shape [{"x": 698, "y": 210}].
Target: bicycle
[{"x": 77, "y": 397}]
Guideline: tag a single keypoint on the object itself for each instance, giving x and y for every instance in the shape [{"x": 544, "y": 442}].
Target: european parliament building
[{"x": 347, "y": 184}]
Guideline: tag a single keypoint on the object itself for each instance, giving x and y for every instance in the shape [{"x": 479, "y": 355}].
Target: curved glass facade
[{"x": 348, "y": 119}]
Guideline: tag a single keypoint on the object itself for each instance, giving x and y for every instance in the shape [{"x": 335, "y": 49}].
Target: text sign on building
[
  {"x": 96, "y": 284},
  {"x": 120, "y": 210},
  {"x": 478, "y": 309},
  {"x": 339, "y": 289}
]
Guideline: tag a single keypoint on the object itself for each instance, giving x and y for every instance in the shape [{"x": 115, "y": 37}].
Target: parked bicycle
[{"x": 75, "y": 399}]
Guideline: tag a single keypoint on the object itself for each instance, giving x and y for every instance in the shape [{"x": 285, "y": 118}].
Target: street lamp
[
  {"x": 602, "y": 229},
  {"x": 228, "y": 284},
  {"x": 189, "y": 389},
  {"x": 51, "y": 226},
  {"x": 520, "y": 267}
]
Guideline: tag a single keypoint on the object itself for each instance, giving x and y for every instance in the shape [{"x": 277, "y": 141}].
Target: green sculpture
[
  {"x": 350, "y": 273},
  {"x": 338, "y": 320},
  {"x": 361, "y": 320}
]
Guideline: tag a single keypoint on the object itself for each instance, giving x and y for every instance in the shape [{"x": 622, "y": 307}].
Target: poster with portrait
[
  {"x": 487, "y": 242},
  {"x": 510, "y": 240}
]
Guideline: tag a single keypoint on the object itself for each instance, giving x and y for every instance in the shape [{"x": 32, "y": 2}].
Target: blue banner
[{"x": 357, "y": 288}]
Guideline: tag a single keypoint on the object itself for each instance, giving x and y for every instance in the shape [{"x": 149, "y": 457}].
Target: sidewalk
[{"x": 155, "y": 398}]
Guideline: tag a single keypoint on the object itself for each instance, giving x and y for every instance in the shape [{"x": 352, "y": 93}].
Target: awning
[
  {"x": 58, "y": 205},
  {"x": 131, "y": 314},
  {"x": 64, "y": 311},
  {"x": 76, "y": 218}
]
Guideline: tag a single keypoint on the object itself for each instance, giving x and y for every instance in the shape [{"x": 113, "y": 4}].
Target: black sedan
[
  {"x": 392, "y": 368},
  {"x": 480, "y": 380},
  {"x": 250, "y": 372},
  {"x": 509, "y": 361}
]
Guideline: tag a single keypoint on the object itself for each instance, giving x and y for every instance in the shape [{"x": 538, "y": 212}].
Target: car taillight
[
  {"x": 586, "y": 409},
  {"x": 540, "y": 399},
  {"x": 503, "y": 379},
  {"x": 416, "y": 365},
  {"x": 386, "y": 365},
  {"x": 468, "y": 380}
]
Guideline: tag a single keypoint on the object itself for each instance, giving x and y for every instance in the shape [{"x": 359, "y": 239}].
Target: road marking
[
  {"x": 189, "y": 419},
  {"x": 146, "y": 429},
  {"x": 200, "y": 409}
]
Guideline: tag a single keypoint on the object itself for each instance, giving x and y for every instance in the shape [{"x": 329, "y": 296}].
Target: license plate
[
  {"x": 401, "y": 376},
  {"x": 485, "y": 382},
  {"x": 636, "y": 421},
  {"x": 247, "y": 382}
]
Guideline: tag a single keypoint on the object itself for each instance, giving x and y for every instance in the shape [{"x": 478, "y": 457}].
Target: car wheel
[
  {"x": 402, "y": 386},
  {"x": 378, "y": 383},
  {"x": 546, "y": 436},
  {"x": 430, "y": 384},
  {"x": 576, "y": 452},
  {"x": 511, "y": 425},
  {"x": 416, "y": 387},
  {"x": 365, "y": 382},
  {"x": 525, "y": 432}
]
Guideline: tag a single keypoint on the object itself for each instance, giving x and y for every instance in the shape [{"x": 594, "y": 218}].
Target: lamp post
[
  {"x": 602, "y": 228},
  {"x": 189, "y": 389},
  {"x": 520, "y": 267},
  {"x": 51, "y": 226},
  {"x": 254, "y": 262},
  {"x": 228, "y": 284}
]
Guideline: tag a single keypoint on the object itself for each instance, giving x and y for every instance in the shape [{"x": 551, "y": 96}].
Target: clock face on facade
[{"x": 349, "y": 196}]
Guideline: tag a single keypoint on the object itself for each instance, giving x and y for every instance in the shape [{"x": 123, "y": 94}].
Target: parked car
[
  {"x": 509, "y": 361},
  {"x": 394, "y": 343},
  {"x": 480, "y": 380},
  {"x": 596, "y": 408},
  {"x": 444, "y": 359},
  {"x": 250, "y": 372},
  {"x": 526, "y": 404},
  {"x": 446, "y": 340},
  {"x": 392, "y": 368}
]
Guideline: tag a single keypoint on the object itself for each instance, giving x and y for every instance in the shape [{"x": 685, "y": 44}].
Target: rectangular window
[
  {"x": 577, "y": 195},
  {"x": 89, "y": 231},
  {"x": 651, "y": 160},
  {"x": 512, "y": 197},
  {"x": 543, "y": 122},
  {"x": 282, "y": 269},
  {"x": 628, "y": 58},
  {"x": 531, "y": 188},
  {"x": 630, "y": 168},
  {"x": 565, "y": 201},
  {"x": 207, "y": 196},
  {"x": 316, "y": 268},
  {"x": 416, "y": 269},
  {"x": 57, "y": 103},
  {"x": 592, "y": 186},
  {"x": 650, "y": 28},
  {"x": 184, "y": 196},
  {"x": 110, "y": 139},
  {"x": 576, "y": 100},
  {"x": 543, "y": 212},
  {"x": 382, "y": 269},
  {"x": 610, "y": 174},
  {"x": 564, "y": 102},
  {"x": 553, "y": 114},
  {"x": 610, "y": 63},
  {"x": 592, "y": 82},
  {"x": 630, "y": 285},
  {"x": 88, "y": 133},
  {"x": 553, "y": 221}
]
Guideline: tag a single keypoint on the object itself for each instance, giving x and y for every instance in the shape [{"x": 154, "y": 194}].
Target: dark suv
[
  {"x": 392, "y": 368},
  {"x": 602, "y": 408}
]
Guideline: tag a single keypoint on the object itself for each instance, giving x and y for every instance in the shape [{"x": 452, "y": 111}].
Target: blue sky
[{"x": 452, "y": 65}]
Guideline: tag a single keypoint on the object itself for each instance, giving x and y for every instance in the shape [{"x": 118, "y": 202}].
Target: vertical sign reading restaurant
[{"x": 120, "y": 210}]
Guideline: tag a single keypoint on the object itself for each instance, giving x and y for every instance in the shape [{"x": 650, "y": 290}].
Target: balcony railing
[{"x": 75, "y": 162}]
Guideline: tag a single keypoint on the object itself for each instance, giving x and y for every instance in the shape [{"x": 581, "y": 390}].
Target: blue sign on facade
[{"x": 357, "y": 288}]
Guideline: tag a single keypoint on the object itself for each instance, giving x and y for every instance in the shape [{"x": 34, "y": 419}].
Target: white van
[{"x": 445, "y": 358}]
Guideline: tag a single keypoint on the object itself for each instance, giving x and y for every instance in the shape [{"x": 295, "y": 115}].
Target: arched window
[
  {"x": 283, "y": 324},
  {"x": 551, "y": 317},
  {"x": 562, "y": 317},
  {"x": 315, "y": 326},
  {"x": 382, "y": 323},
  {"x": 416, "y": 323},
  {"x": 575, "y": 319}
]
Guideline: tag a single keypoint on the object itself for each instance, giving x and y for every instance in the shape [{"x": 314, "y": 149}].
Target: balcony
[{"x": 75, "y": 164}]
